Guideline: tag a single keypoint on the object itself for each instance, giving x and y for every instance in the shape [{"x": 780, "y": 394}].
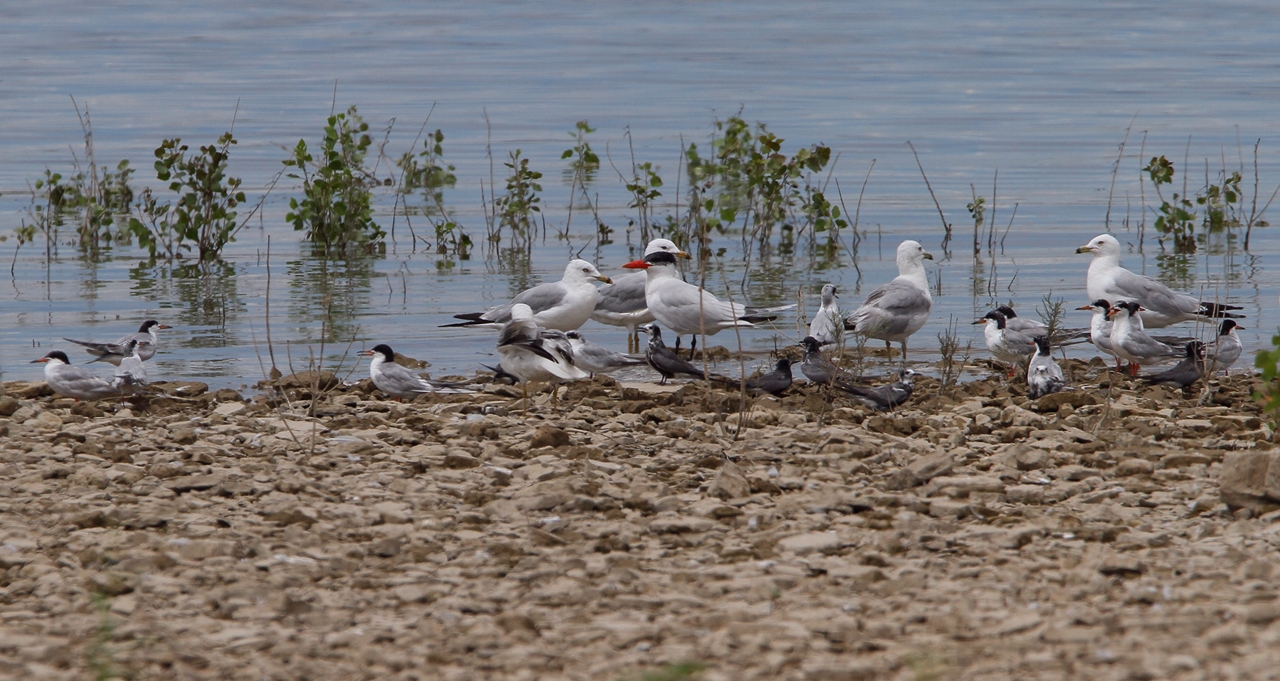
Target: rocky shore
[{"x": 324, "y": 532}]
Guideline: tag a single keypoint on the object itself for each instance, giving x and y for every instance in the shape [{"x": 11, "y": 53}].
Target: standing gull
[
  {"x": 899, "y": 308},
  {"x": 1130, "y": 341},
  {"x": 622, "y": 303},
  {"x": 399, "y": 381},
  {"x": 1044, "y": 376},
  {"x": 71, "y": 381},
  {"x": 562, "y": 305},
  {"x": 826, "y": 326},
  {"x": 114, "y": 352},
  {"x": 1107, "y": 279},
  {"x": 1226, "y": 349}
]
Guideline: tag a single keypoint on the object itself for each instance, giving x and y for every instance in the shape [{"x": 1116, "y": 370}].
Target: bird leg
[
  {"x": 693, "y": 346},
  {"x": 1133, "y": 368}
]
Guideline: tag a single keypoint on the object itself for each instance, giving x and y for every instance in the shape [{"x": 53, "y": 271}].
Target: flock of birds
[{"x": 540, "y": 340}]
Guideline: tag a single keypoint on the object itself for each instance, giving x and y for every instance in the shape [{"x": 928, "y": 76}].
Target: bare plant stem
[{"x": 945, "y": 225}]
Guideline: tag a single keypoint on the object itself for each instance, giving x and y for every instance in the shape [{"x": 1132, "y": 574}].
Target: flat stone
[
  {"x": 811, "y": 542},
  {"x": 729, "y": 483},
  {"x": 188, "y": 483}
]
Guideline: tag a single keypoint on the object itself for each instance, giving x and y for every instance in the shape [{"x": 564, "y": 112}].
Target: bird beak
[
  {"x": 163, "y": 326},
  {"x": 1086, "y": 308},
  {"x": 1141, "y": 309},
  {"x": 682, "y": 254},
  {"x": 1111, "y": 311},
  {"x": 42, "y": 360},
  {"x": 980, "y": 321},
  {"x": 366, "y": 353},
  {"x": 636, "y": 265},
  {"x": 1085, "y": 249},
  {"x": 1241, "y": 327},
  {"x": 927, "y": 256},
  {"x": 605, "y": 279}
]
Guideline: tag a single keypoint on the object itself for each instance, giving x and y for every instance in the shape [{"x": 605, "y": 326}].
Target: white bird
[
  {"x": 562, "y": 305},
  {"x": 1044, "y": 376},
  {"x": 687, "y": 309},
  {"x": 827, "y": 325},
  {"x": 1224, "y": 351},
  {"x": 532, "y": 354},
  {"x": 894, "y": 311},
  {"x": 71, "y": 381},
  {"x": 1008, "y": 346},
  {"x": 131, "y": 373},
  {"x": 114, "y": 352},
  {"x": 1100, "y": 327},
  {"x": 398, "y": 380},
  {"x": 1129, "y": 339},
  {"x": 1107, "y": 279},
  {"x": 622, "y": 303},
  {"x": 596, "y": 358},
  {"x": 1030, "y": 327}
]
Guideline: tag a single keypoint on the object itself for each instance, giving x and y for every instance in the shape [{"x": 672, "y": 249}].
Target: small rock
[
  {"x": 1250, "y": 479},
  {"x": 549, "y": 436},
  {"x": 729, "y": 483},
  {"x": 1122, "y": 566},
  {"x": 810, "y": 542},
  {"x": 8, "y": 405}
]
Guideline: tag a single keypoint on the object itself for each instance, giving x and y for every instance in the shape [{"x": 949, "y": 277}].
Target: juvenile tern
[
  {"x": 622, "y": 303},
  {"x": 1226, "y": 349},
  {"x": 687, "y": 309},
  {"x": 596, "y": 358},
  {"x": 114, "y": 352},
  {"x": 887, "y": 396},
  {"x": 1187, "y": 372},
  {"x": 399, "y": 381},
  {"x": 774, "y": 382},
  {"x": 1129, "y": 338},
  {"x": 1107, "y": 279},
  {"x": 663, "y": 359},
  {"x": 1044, "y": 376},
  {"x": 827, "y": 325},
  {"x": 131, "y": 373},
  {"x": 71, "y": 381},
  {"x": 822, "y": 371},
  {"x": 562, "y": 305},
  {"x": 894, "y": 311}
]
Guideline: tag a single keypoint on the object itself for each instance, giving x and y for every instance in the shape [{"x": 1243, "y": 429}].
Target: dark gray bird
[
  {"x": 817, "y": 368},
  {"x": 775, "y": 382},
  {"x": 1044, "y": 376},
  {"x": 596, "y": 358},
  {"x": 114, "y": 352},
  {"x": 884, "y": 397},
  {"x": 1187, "y": 372},
  {"x": 663, "y": 359}
]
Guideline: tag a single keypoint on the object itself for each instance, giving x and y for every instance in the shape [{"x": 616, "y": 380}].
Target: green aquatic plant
[
  {"x": 515, "y": 209},
  {"x": 1176, "y": 218},
  {"x": 1269, "y": 362},
  {"x": 336, "y": 209},
  {"x": 202, "y": 217},
  {"x": 429, "y": 174}
]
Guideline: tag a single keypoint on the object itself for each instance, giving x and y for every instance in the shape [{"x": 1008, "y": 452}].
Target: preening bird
[
  {"x": 1108, "y": 280},
  {"x": 896, "y": 310},
  {"x": 71, "y": 381},
  {"x": 1044, "y": 376},
  {"x": 562, "y": 305},
  {"x": 131, "y": 373},
  {"x": 535, "y": 355},
  {"x": 399, "y": 381},
  {"x": 114, "y": 352}
]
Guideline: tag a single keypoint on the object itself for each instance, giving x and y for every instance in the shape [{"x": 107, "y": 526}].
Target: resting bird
[
  {"x": 687, "y": 309},
  {"x": 114, "y": 352},
  {"x": 71, "y": 381},
  {"x": 622, "y": 303},
  {"x": 1107, "y": 279},
  {"x": 1130, "y": 340},
  {"x": 399, "y": 381},
  {"x": 1187, "y": 372},
  {"x": 562, "y": 305},
  {"x": 1028, "y": 327},
  {"x": 827, "y": 325},
  {"x": 886, "y": 396},
  {"x": 663, "y": 359},
  {"x": 131, "y": 373},
  {"x": 1044, "y": 376},
  {"x": 817, "y": 368},
  {"x": 1226, "y": 349},
  {"x": 774, "y": 382},
  {"x": 894, "y": 311},
  {"x": 597, "y": 359},
  {"x": 1008, "y": 346},
  {"x": 533, "y": 354}
]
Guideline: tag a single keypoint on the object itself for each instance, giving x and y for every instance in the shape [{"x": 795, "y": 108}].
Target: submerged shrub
[{"x": 203, "y": 216}]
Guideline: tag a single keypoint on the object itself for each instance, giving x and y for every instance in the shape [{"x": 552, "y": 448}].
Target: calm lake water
[{"x": 1042, "y": 95}]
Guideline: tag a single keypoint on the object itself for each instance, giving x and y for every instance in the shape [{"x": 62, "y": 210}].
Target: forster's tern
[
  {"x": 1226, "y": 349},
  {"x": 1107, "y": 279},
  {"x": 562, "y": 305},
  {"x": 1007, "y": 345},
  {"x": 596, "y": 358},
  {"x": 827, "y": 325},
  {"x": 622, "y": 303},
  {"x": 1187, "y": 372},
  {"x": 663, "y": 359},
  {"x": 1044, "y": 376},
  {"x": 71, "y": 381},
  {"x": 884, "y": 397},
  {"x": 894, "y": 311},
  {"x": 1129, "y": 339},
  {"x": 131, "y": 372},
  {"x": 114, "y": 352},
  {"x": 399, "y": 381}
]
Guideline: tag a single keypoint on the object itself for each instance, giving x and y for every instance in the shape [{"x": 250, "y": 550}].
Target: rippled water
[{"x": 1043, "y": 95}]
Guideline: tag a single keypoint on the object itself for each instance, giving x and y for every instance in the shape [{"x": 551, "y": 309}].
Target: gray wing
[
  {"x": 890, "y": 308},
  {"x": 541, "y": 297},
  {"x": 625, "y": 295},
  {"x": 1152, "y": 294}
]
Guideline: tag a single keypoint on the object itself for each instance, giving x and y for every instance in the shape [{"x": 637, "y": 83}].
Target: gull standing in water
[
  {"x": 687, "y": 309},
  {"x": 596, "y": 358},
  {"x": 1130, "y": 341},
  {"x": 1226, "y": 349},
  {"x": 1163, "y": 306},
  {"x": 71, "y": 381},
  {"x": 894, "y": 311},
  {"x": 561, "y": 305},
  {"x": 400, "y": 381},
  {"x": 827, "y": 326},
  {"x": 622, "y": 303},
  {"x": 114, "y": 352},
  {"x": 1044, "y": 376},
  {"x": 533, "y": 355}
]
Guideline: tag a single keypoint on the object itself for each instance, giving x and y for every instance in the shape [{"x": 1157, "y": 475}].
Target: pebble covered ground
[{"x": 640, "y": 532}]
